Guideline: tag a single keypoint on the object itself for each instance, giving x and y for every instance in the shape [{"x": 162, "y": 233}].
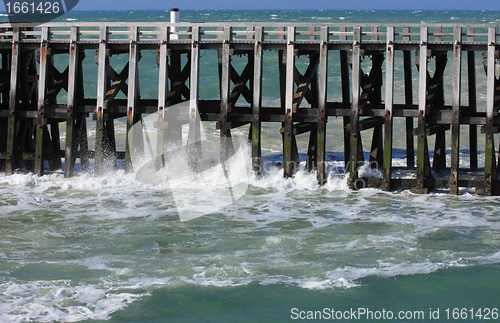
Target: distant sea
[{"x": 112, "y": 248}]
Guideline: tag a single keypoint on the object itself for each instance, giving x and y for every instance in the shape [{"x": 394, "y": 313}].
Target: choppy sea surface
[{"x": 113, "y": 248}]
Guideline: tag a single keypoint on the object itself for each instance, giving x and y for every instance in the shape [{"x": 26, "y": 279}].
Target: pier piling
[{"x": 375, "y": 64}]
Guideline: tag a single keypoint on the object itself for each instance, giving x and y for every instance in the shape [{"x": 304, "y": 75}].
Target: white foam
[
  {"x": 220, "y": 276},
  {"x": 349, "y": 276},
  {"x": 61, "y": 301},
  {"x": 313, "y": 283},
  {"x": 286, "y": 219}
]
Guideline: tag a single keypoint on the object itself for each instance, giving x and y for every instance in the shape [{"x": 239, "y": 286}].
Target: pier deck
[{"x": 30, "y": 84}]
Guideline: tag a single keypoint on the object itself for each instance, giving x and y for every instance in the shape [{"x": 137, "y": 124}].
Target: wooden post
[
  {"x": 101, "y": 94},
  {"x": 455, "y": 126},
  {"x": 162, "y": 97},
  {"x": 312, "y": 148},
  {"x": 310, "y": 77},
  {"x": 5, "y": 67},
  {"x": 322, "y": 98},
  {"x": 225, "y": 84},
  {"x": 490, "y": 176},
  {"x": 346, "y": 99},
  {"x": 410, "y": 149},
  {"x": 178, "y": 76},
  {"x": 81, "y": 125},
  {"x": 70, "y": 131},
  {"x": 422, "y": 104},
  {"x": 194, "y": 137},
  {"x": 471, "y": 73},
  {"x": 282, "y": 72},
  {"x": 437, "y": 33},
  {"x": 257, "y": 101},
  {"x": 356, "y": 69},
  {"x": 42, "y": 82},
  {"x": 439, "y": 161},
  {"x": 27, "y": 121},
  {"x": 132, "y": 113},
  {"x": 282, "y": 78},
  {"x": 288, "y": 162},
  {"x": 389, "y": 98},
  {"x": 11, "y": 140}
]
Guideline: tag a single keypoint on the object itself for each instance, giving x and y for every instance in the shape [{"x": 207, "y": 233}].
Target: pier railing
[
  {"x": 89, "y": 33},
  {"x": 30, "y": 108}
]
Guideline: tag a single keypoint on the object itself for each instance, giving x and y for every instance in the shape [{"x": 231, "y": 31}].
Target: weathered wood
[
  {"x": 471, "y": 79},
  {"x": 225, "y": 133},
  {"x": 5, "y": 78},
  {"x": 374, "y": 30},
  {"x": 119, "y": 82},
  {"x": 389, "y": 99},
  {"x": 422, "y": 104},
  {"x": 434, "y": 129},
  {"x": 410, "y": 148},
  {"x": 81, "y": 135},
  {"x": 300, "y": 128},
  {"x": 435, "y": 86},
  {"x": 56, "y": 81},
  {"x": 356, "y": 70},
  {"x": 455, "y": 127},
  {"x": 366, "y": 108},
  {"x": 304, "y": 81},
  {"x": 490, "y": 176},
  {"x": 437, "y": 33},
  {"x": 13, "y": 99},
  {"x": 312, "y": 150},
  {"x": 134, "y": 145},
  {"x": 240, "y": 87},
  {"x": 372, "y": 92},
  {"x": 376, "y": 160},
  {"x": 101, "y": 104},
  {"x": 178, "y": 77},
  {"x": 56, "y": 144},
  {"x": 42, "y": 82},
  {"x": 257, "y": 101},
  {"x": 322, "y": 99},
  {"x": 70, "y": 131},
  {"x": 109, "y": 142},
  {"x": 194, "y": 136},
  {"x": 368, "y": 123},
  {"x": 288, "y": 162},
  {"x": 162, "y": 98},
  {"x": 346, "y": 99},
  {"x": 439, "y": 161}
]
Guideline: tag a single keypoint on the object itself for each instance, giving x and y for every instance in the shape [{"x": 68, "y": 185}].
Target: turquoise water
[
  {"x": 113, "y": 247},
  {"x": 330, "y": 16}
]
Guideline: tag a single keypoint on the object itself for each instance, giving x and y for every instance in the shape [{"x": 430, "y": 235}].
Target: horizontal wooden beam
[
  {"x": 434, "y": 129},
  {"x": 369, "y": 123},
  {"x": 300, "y": 128},
  {"x": 231, "y": 124}
]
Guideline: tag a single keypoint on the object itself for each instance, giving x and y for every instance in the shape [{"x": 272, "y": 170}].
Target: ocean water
[{"x": 113, "y": 247}]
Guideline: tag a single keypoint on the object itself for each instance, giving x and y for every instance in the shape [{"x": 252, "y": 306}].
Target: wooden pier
[{"x": 30, "y": 113}]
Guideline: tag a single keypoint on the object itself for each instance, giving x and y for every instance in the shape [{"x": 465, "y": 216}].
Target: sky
[{"x": 289, "y": 4}]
